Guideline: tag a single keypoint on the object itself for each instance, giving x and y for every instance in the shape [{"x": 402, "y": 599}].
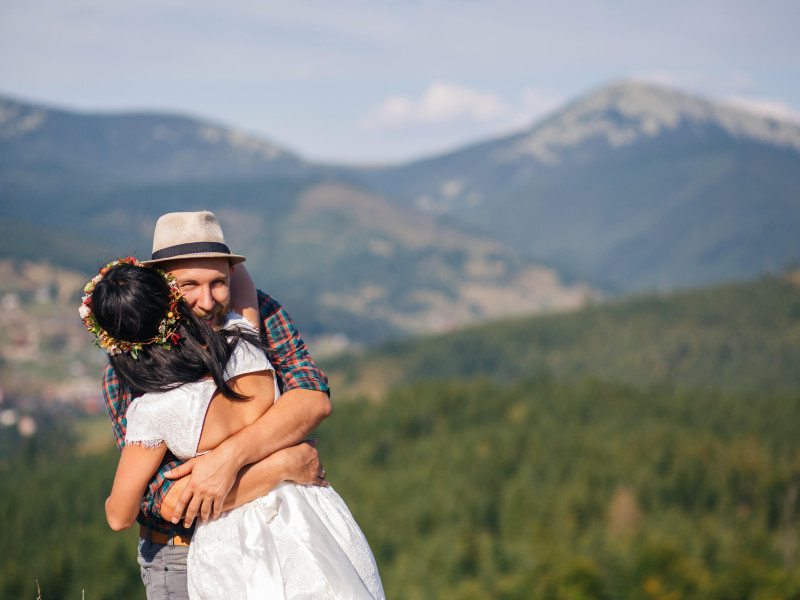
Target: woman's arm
[
  {"x": 244, "y": 299},
  {"x": 136, "y": 466},
  {"x": 117, "y": 397}
]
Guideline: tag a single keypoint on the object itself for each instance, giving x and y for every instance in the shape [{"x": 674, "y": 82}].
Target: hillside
[
  {"x": 631, "y": 187},
  {"x": 349, "y": 266},
  {"x": 77, "y": 190},
  {"x": 470, "y": 490},
  {"x": 47, "y": 148},
  {"x": 640, "y": 449},
  {"x": 738, "y": 337}
]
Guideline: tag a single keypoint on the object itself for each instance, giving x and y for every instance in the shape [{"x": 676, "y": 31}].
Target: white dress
[{"x": 297, "y": 542}]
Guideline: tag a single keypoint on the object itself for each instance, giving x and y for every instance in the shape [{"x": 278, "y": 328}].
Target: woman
[{"x": 200, "y": 387}]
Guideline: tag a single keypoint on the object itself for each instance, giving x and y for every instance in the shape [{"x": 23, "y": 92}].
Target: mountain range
[
  {"x": 353, "y": 268},
  {"x": 630, "y": 188}
]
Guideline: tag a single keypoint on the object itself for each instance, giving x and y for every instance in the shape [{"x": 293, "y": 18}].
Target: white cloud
[{"x": 440, "y": 103}]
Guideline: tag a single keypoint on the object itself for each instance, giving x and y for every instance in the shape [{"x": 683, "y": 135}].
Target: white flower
[{"x": 84, "y": 311}]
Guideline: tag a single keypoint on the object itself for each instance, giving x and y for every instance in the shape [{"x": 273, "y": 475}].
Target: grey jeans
[{"x": 163, "y": 569}]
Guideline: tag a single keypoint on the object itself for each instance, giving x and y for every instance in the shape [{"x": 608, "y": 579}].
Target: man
[{"x": 192, "y": 248}]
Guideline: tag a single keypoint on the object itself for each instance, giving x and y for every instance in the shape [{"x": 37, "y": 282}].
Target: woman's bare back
[{"x": 225, "y": 417}]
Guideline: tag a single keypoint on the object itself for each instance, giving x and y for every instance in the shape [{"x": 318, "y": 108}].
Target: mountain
[
  {"x": 356, "y": 253},
  {"x": 346, "y": 262},
  {"x": 632, "y": 187},
  {"x": 79, "y": 190},
  {"x": 351, "y": 268},
  {"x": 45, "y": 148}
]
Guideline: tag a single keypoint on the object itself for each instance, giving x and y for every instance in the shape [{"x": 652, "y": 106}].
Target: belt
[{"x": 156, "y": 537}]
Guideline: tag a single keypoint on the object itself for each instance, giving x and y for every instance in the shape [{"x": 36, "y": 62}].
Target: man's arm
[
  {"x": 302, "y": 407},
  {"x": 213, "y": 474},
  {"x": 299, "y": 464}
]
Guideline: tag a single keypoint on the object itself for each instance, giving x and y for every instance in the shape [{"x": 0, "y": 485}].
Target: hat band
[{"x": 190, "y": 248}]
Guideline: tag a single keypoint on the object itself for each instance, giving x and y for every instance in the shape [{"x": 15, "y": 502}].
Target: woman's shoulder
[
  {"x": 246, "y": 357},
  {"x": 235, "y": 320}
]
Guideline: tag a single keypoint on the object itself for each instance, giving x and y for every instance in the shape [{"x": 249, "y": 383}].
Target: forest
[{"x": 565, "y": 481}]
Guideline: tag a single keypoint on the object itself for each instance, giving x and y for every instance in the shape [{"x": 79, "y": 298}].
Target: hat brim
[{"x": 234, "y": 259}]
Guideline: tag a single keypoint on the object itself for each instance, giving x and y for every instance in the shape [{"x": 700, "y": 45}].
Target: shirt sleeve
[
  {"x": 117, "y": 398},
  {"x": 287, "y": 351}
]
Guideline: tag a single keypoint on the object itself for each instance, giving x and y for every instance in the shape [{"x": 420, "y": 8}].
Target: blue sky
[{"x": 369, "y": 81}]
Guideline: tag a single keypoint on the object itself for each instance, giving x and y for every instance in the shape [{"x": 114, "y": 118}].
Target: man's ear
[{"x": 233, "y": 268}]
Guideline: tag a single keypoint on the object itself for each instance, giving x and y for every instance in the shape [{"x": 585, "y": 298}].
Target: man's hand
[
  {"x": 299, "y": 464},
  {"x": 211, "y": 477}
]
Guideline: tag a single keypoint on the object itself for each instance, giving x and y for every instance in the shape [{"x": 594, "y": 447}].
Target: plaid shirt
[{"x": 288, "y": 354}]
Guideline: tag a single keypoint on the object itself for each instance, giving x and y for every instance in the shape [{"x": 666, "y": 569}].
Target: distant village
[{"x": 48, "y": 364}]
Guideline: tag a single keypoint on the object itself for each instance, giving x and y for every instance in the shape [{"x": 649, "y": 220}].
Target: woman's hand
[{"x": 302, "y": 465}]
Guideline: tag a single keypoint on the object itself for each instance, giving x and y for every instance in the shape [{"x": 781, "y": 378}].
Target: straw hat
[{"x": 182, "y": 235}]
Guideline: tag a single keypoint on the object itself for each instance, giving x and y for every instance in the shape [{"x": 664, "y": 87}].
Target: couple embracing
[{"x": 212, "y": 394}]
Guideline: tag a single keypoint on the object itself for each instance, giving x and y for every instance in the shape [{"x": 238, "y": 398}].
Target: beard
[{"x": 215, "y": 317}]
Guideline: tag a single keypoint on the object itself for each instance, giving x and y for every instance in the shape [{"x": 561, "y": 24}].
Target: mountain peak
[{"x": 629, "y": 111}]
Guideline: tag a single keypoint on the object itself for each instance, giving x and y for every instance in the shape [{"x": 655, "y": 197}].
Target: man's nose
[{"x": 205, "y": 301}]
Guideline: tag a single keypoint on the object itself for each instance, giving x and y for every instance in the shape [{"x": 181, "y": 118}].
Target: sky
[{"x": 381, "y": 81}]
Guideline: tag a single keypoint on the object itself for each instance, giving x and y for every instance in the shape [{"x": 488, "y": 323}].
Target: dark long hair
[{"x": 129, "y": 303}]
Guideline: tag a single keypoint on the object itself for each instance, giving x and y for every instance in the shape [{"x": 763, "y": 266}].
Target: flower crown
[{"x": 166, "y": 329}]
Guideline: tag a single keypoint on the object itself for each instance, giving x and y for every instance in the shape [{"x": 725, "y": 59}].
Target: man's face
[{"x": 205, "y": 284}]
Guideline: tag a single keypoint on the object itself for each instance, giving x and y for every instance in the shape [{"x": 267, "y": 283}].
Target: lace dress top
[{"x": 176, "y": 417}]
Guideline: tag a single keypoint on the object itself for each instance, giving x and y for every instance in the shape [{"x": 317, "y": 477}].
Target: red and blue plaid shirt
[{"x": 288, "y": 354}]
